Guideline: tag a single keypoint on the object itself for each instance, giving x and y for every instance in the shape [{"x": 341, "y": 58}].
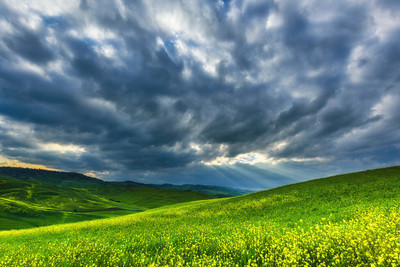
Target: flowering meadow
[{"x": 347, "y": 220}]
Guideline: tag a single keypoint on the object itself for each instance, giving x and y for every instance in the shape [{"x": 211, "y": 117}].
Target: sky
[{"x": 241, "y": 93}]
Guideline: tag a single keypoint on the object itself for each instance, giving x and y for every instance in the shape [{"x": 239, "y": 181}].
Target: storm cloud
[{"x": 239, "y": 93}]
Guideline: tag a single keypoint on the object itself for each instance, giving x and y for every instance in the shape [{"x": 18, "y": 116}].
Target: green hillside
[
  {"x": 31, "y": 198},
  {"x": 27, "y": 204},
  {"x": 65, "y": 179},
  {"x": 216, "y": 191},
  {"x": 77, "y": 180},
  {"x": 345, "y": 220}
]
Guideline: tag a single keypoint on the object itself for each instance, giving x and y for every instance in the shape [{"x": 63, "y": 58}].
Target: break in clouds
[{"x": 238, "y": 93}]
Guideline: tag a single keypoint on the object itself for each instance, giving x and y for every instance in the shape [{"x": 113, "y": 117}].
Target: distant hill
[
  {"x": 216, "y": 191},
  {"x": 28, "y": 203},
  {"x": 31, "y": 197},
  {"x": 77, "y": 180},
  {"x": 68, "y": 179}
]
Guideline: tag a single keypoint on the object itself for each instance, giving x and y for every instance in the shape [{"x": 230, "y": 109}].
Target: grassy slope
[
  {"x": 77, "y": 180},
  {"x": 344, "y": 220},
  {"x": 31, "y": 203},
  {"x": 216, "y": 191},
  {"x": 147, "y": 197},
  {"x": 26, "y": 203},
  {"x": 64, "y": 179}
]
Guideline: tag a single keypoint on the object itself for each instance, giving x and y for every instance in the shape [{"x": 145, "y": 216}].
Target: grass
[
  {"x": 26, "y": 203},
  {"x": 346, "y": 220},
  {"x": 148, "y": 197}
]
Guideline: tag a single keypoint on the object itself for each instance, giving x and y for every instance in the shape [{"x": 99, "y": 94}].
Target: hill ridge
[{"x": 71, "y": 178}]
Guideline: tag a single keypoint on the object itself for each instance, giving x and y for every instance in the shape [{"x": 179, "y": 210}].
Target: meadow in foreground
[{"x": 347, "y": 220}]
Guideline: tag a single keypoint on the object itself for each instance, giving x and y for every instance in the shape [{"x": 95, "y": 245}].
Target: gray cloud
[
  {"x": 29, "y": 45},
  {"x": 154, "y": 90}
]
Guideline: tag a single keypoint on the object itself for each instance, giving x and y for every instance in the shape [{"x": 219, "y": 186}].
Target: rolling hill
[
  {"x": 215, "y": 191},
  {"x": 65, "y": 179},
  {"x": 344, "y": 220},
  {"x": 31, "y": 198},
  {"x": 77, "y": 180}
]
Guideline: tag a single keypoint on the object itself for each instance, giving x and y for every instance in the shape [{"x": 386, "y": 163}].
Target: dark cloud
[
  {"x": 389, "y": 4},
  {"x": 154, "y": 91},
  {"x": 29, "y": 45}
]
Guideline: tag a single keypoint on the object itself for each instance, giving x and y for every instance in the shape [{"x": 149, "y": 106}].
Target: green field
[
  {"x": 31, "y": 198},
  {"x": 345, "y": 220}
]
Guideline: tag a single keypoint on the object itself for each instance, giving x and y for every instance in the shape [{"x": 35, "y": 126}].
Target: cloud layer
[{"x": 175, "y": 90}]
